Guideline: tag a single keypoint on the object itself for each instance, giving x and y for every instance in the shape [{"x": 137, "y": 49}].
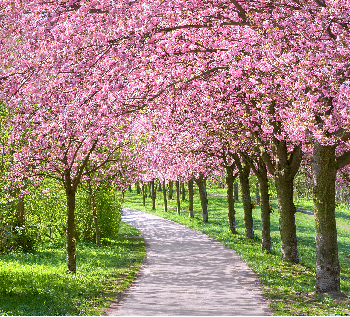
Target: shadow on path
[{"x": 188, "y": 273}]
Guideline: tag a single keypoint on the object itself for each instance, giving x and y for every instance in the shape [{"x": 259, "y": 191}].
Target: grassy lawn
[
  {"x": 290, "y": 288},
  {"x": 37, "y": 283}
]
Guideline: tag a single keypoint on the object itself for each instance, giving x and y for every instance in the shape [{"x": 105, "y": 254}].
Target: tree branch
[{"x": 342, "y": 160}]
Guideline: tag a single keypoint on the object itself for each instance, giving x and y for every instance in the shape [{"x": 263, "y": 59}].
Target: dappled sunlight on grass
[{"x": 37, "y": 283}]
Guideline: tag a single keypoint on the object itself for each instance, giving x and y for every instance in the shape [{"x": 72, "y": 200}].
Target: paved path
[{"x": 188, "y": 273}]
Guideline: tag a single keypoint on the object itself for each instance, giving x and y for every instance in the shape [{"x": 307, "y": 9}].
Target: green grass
[
  {"x": 290, "y": 288},
  {"x": 37, "y": 283}
]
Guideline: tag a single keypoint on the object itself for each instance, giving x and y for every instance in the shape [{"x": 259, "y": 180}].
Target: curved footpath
[{"x": 188, "y": 273}]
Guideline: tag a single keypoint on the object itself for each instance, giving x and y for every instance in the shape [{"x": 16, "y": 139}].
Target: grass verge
[
  {"x": 37, "y": 283},
  {"x": 290, "y": 288}
]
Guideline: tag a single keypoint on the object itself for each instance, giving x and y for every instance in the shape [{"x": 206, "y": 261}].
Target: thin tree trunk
[
  {"x": 87, "y": 226},
  {"x": 138, "y": 189},
  {"x": 178, "y": 206},
  {"x": 170, "y": 193},
  {"x": 20, "y": 213},
  {"x": 235, "y": 189},
  {"x": 143, "y": 194},
  {"x": 265, "y": 206},
  {"x": 260, "y": 171},
  {"x": 183, "y": 193},
  {"x": 164, "y": 197},
  {"x": 70, "y": 236},
  {"x": 97, "y": 227},
  {"x": 160, "y": 187},
  {"x": 190, "y": 198},
  {"x": 257, "y": 193},
  {"x": 153, "y": 195},
  {"x": 244, "y": 171},
  {"x": 129, "y": 187},
  {"x": 230, "y": 200},
  {"x": 94, "y": 215},
  {"x": 324, "y": 175},
  {"x": 202, "y": 193}
]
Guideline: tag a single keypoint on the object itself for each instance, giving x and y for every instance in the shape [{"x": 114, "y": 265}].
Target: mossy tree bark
[
  {"x": 286, "y": 209},
  {"x": 325, "y": 165},
  {"x": 324, "y": 169},
  {"x": 190, "y": 198},
  {"x": 287, "y": 166},
  {"x": 283, "y": 165}
]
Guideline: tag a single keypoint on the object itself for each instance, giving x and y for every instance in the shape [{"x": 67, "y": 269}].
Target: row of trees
[{"x": 178, "y": 90}]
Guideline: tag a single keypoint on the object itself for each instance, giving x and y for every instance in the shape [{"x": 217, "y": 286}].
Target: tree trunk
[
  {"x": 143, "y": 195},
  {"x": 284, "y": 167},
  {"x": 190, "y": 198},
  {"x": 286, "y": 210},
  {"x": 87, "y": 227},
  {"x": 324, "y": 175},
  {"x": 201, "y": 183},
  {"x": 97, "y": 227},
  {"x": 153, "y": 195},
  {"x": 183, "y": 193},
  {"x": 94, "y": 215},
  {"x": 160, "y": 187},
  {"x": 265, "y": 206},
  {"x": 178, "y": 206},
  {"x": 170, "y": 193},
  {"x": 20, "y": 213},
  {"x": 164, "y": 197},
  {"x": 244, "y": 171},
  {"x": 70, "y": 237},
  {"x": 138, "y": 190},
  {"x": 260, "y": 172},
  {"x": 257, "y": 193},
  {"x": 230, "y": 200},
  {"x": 129, "y": 187},
  {"x": 235, "y": 191}
]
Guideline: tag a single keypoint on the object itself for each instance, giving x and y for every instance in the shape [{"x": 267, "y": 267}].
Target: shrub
[{"x": 108, "y": 212}]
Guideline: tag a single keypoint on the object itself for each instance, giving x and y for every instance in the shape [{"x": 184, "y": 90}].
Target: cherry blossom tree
[{"x": 283, "y": 65}]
